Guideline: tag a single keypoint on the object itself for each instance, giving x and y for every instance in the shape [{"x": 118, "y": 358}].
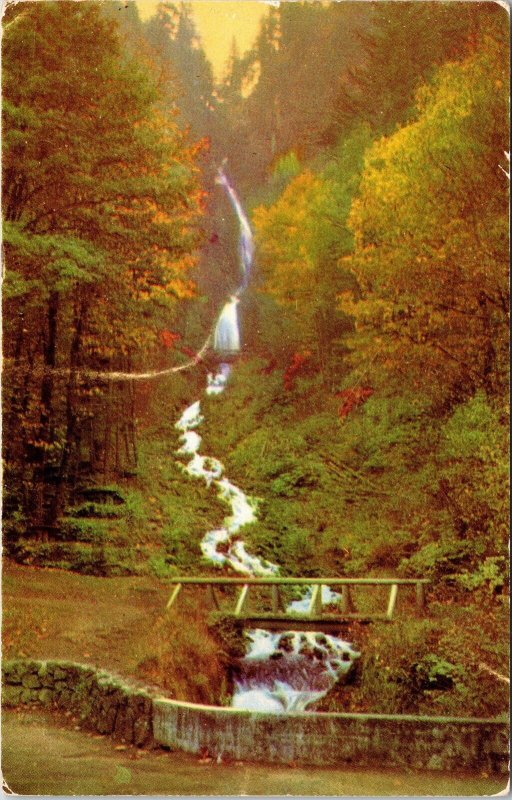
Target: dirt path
[
  {"x": 45, "y": 754},
  {"x": 49, "y": 613}
]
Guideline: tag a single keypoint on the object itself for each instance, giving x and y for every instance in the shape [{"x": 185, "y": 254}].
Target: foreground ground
[
  {"x": 49, "y": 613},
  {"x": 47, "y": 754},
  {"x": 110, "y": 622}
]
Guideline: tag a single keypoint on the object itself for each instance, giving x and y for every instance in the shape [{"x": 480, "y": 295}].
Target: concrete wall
[
  {"x": 136, "y": 715},
  {"x": 324, "y": 738}
]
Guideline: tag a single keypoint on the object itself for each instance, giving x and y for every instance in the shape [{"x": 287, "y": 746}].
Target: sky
[{"x": 218, "y": 21}]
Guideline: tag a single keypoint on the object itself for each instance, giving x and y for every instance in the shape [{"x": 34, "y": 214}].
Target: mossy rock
[
  {"x": 45, "y": 697},
  {"x": 11, "y": 695},
  {"x": 31, "y": 681}
]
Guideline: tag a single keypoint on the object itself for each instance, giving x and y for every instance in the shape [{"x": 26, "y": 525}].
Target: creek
[{"x": 281, "y": 672}]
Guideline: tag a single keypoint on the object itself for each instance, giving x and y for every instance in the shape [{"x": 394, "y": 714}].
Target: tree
[
  {"x": 297, "y": 247},
  {"x": 187, "y": 79},
  {"x": 401, "y": 46},
  {"x": 100, "y": 203},
  {"x": 431, "y": 236},
  {"x": 300, "y": 56}
]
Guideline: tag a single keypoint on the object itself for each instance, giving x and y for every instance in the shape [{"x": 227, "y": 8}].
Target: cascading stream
[{"x": 281, "y": 672}]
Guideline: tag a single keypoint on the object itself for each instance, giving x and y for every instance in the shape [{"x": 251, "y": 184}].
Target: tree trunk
[
  {"x": 59, "y": 498},
  {"x": 35, "y": 511},
  {"x": 488, "y": 350}
]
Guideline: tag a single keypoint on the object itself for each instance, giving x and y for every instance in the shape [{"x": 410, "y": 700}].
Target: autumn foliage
[
  {"x": 101, "y": 205},
  {"x": 352, "y": 398}
]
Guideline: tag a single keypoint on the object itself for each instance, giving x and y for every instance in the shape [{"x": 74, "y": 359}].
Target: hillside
[{"x": 315, "y": 249}]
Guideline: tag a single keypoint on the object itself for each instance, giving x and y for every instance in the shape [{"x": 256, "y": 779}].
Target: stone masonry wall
[
  {"x": 136, "y": 715},
  {"x": 103, "y": 702}
]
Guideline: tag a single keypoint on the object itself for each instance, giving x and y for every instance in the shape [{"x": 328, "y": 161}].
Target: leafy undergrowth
[
  {"x": 398, "y": 485},
  {"x": 156, "y": 523},
  {"x": 395, "y": 487},
  {"x": 452, "y": 663}
]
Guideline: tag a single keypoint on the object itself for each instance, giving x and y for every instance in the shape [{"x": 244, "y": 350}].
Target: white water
[
  {"x": 226, "y": 337},
  {"x": 217, "y": 383},
  {"x": 285, "y": 672},
  {"x": 246, "y": 243},
  {"x": 281, "y": 672},
  {"x": 220, "y": 546}
]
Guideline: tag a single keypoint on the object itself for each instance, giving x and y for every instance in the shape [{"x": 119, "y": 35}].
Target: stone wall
[
  {"x": 103, "y": 702},
  {"x": 323, "y": 739},
  {"x": 137, "y": 715}
]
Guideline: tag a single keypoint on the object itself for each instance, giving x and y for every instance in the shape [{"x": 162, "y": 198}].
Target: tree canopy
[{"x": 101, "y": 205}]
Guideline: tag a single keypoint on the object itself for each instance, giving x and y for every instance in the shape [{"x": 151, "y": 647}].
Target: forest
[{"x": 368, "y": 409}]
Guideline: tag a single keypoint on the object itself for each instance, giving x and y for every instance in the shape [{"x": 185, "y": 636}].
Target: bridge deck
[{"x": 327, "y": 623}]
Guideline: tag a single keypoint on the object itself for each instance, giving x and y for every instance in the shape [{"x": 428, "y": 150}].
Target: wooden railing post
[
  {"x": 212, "y": 596},
  {"x": 347, "y": 606},
  {"x": 276, "y": 599},
  {"x": 174, "y": 595},
  {"x": 392, "y": 600},
  {"x": 315, "y": 605},
  {"x": 420, "y": 597},
  {"x": 241, "y": 599}
]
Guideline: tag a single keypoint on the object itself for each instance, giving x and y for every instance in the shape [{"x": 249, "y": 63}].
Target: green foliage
[
  {"x": 286, "y": 168},
  {"x": 134, "y": 508},
  {"x": 102, "y": 510},
  {"x": 96, "y": 558},
  {"x": 433, "y": 672},
  {"x": 431, "y": 305},
  {"x": 386, "y": 681},
  {"x": 402, "y": 45},
  {"x": 159, "y": 567},
  {"x": 467, "y": 639},
  {"x": 470, "y": 489},
  {"x": 490, "y": 577},
  {"x": 84, "y": 530},
  {"x": 230, "y": 635}
]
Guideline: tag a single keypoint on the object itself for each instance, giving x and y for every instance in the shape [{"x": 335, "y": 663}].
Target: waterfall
[
  {"x": 246, "y": 243},
  {"x": 280, "y": 672},
  {"x": 226, "y": 337}
]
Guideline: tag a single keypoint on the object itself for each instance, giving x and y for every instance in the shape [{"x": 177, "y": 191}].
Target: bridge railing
[{"x": 315, "y": 610}]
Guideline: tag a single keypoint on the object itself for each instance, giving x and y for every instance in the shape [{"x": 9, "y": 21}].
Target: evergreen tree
[{"x": 401, "y": 47}]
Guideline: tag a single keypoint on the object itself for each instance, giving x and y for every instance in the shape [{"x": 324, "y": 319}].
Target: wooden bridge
[{"x": 315, "y": 618}]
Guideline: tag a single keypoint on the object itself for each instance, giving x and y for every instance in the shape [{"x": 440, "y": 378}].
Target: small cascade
[
  {"x": 281, "y": 672},
  {"x": 286, "y": 672},
  {"x": 220, "y": 546},
  {"x": 226, "y": 337},
  {"x": 217, "y": 383}
]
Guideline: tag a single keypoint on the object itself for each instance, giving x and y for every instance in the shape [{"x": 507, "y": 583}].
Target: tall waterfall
[
  {"x": 246, "y": 242},
  {"x": 281, "y": 672},
  {"x": 226, "y": 338}
]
